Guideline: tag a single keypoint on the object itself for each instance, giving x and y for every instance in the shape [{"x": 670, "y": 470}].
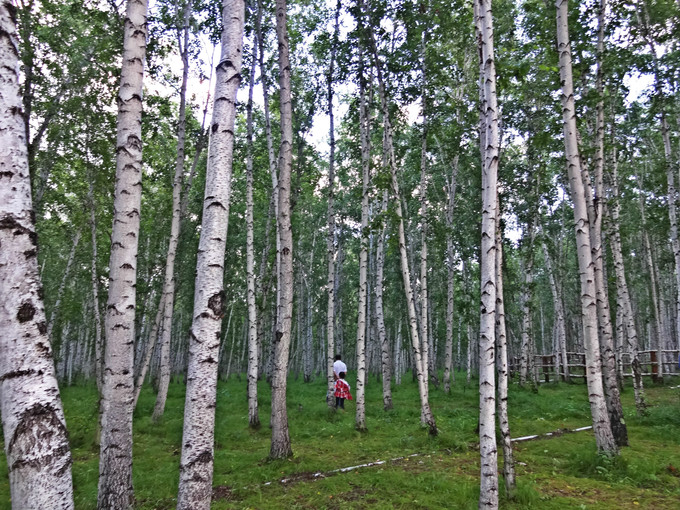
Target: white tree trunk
[
  {"x": 363, "y": 254},
  {"x": 253, "y": 362},
  {"x": 451, "y": 182},
  {"x": 560, "y": 323},
  {"x": 62, "y": 285},
  {"x": 488, "y": 495},
  {"x": 331, "y": 251},
  {"x": 280, "y": 445},
  {"x": 386, "y": 362},
  {"x": 196, "y": 462},
  {"x": 148, "y": 351},
  {"x": 36, "y": 440},
  {"x": 98, "y": 344},
  {"x": 502, "y": 367},
  {"x": 426, "y": 412},
  {"x": 115, "y": 460},
  {"x": 601, "y": 424},
  {"x": 168, "y": 296}
]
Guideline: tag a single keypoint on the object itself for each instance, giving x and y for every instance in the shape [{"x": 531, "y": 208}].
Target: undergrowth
[{"x": 562, "y": 472}]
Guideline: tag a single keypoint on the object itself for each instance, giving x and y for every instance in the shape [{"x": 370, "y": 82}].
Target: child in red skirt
[{"x": 342, "y": 391}]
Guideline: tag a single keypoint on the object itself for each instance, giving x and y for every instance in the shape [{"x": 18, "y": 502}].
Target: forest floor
[{"x": 410, "y": 469}]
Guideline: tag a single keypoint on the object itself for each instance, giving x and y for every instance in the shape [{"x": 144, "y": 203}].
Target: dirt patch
[{"x": 223, "y": 492}]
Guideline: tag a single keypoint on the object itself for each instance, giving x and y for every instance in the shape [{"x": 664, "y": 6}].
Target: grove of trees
[{"x": 195, "y": 189}]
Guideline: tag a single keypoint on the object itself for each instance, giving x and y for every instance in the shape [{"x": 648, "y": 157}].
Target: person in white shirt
[{"x": 338, "y": 367}]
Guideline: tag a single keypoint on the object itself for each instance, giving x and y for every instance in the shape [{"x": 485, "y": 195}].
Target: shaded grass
[{"x": 564, "y": 472}]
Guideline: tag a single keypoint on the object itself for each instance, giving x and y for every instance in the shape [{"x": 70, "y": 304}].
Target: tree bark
[
  {"x": 62, "y": 285},
  {"x": 606, "y": 443},
  {"x": 426, "y": 412},
  {"x": 363, "y": 254},
  {"x": 331, "y": 251},
  {"x": 280, "y": 445},
  {"x": 168, "y": 296},
  {"x": 196, "y": 462},
  {"x": 36, "y": 440},
  {"x": 115, "y": 461},
  {"x": 386, "y": 362},
  {"x": 253, "y": 347},
  {"x": 488, "y": 495}
]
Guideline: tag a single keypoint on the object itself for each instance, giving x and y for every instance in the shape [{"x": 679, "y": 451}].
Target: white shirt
[{"x": 338, "y": 367}]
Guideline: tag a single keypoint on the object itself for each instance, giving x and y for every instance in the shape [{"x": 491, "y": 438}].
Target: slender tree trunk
[
  {"x": 595, "y": 213},
  {"x": 280, "y": 445},
  {"x": 148, "y": 351},
  {"x": 168, "y": 295},
  {"x": 405, "y": 271},
  {"x": 386, "y": 362},
  {"x": 363, "y": 254},
  {"x": 560, "y": 323},
  {"x": 36, "y": 440},
  {"x": 502, "y": 367},
  {"x": 98, "y": 344},
  {"x": 253, "y": 362},
  {"x": 601, "y": 425},
  {"x": 196, "y": 462},
  {"x": 488, "y": 495},
  {"x": 331, "y": 239},
  {"x": 624, "y": 301},
  {"x": 115, "y": 461},
  {"x": 62, "y": 285}
]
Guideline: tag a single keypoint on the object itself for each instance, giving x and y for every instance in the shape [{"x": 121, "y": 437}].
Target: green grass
[{"x": 563, "y": 472}]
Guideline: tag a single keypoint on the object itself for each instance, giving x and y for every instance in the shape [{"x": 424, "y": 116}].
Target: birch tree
[
  {"x": 196, "y": 462},
  {"x": 36, "y": 441},
  {"x": 604, "y": 437},
  {"x": 280, "y": 445},
  {"x": 115, "y": 460},
  {"x": 488, "y": 495}
]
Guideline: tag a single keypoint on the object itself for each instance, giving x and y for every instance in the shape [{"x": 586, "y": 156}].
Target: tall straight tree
[
  {"x": 196, "y": 462},
  {"x": 280, "y": 446},
  {"x": 115, "y": 460},
  {"x": 364, "y": 129},
  {"x": 36, "y": 440},
  {"x": 598, "y": 407},
  {"x": 168, "y": 296},
  {"x": 253, "y": 413},
  {"x": 426, "y": 411},
  {"x": 331, "y": 237},
  {"x": 489, "y": 144}
]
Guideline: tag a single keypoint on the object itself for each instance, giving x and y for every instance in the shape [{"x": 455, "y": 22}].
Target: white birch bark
[
  {"x": 360, "y": 422},
  {"x": 168, "y": 296},
  {"x": 561, "y": 364},
  {"x": 426, "y": 412},
  {"x": 331, "y": 252},
  {"x": 488, "y": 495},
  {"x": 502, "y": 367},
  {"x": 386, "y": 362},
  {"x": 629, "y": 331},
  {"x": 36, "y": 441},
  {"x": 601, "y": 424},
  {"x": 148, "y": 352},
  {"x": 115, "y": 460},
  {"x": 253, "y": 347},
  {"x": 196, "y": 462},
  {"x": 98, "y": 343},
  {"x": 280, "y": 444}
]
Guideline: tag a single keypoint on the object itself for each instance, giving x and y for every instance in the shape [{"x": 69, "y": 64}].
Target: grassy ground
[{"x": 558, "y": 473}]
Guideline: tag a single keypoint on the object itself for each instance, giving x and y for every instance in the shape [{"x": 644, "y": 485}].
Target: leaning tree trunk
[
  {"x": 168, "y": 296},
  {"x": 502, "y": 367},
  {"x": 601, "y": 425},
  {"x": 98, "y": 343},
  {"x": 62, "y": 285},
  {"x": 426, "y": 412},
  {"x": 196, "y": 461},
  {"x": 488, "y": 495},
  {"x": 363, "y": 254},
  {"x": 253, "y": 347},
  {"x": 36, "y": 439},
  {"x": 115, "y": 461},
  {"x": 449, "y": 369},
  {"x": 280, "y": 445}
]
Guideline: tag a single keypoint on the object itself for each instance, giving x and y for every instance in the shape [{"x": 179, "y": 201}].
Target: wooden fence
[{"x": 545, "y": 371}]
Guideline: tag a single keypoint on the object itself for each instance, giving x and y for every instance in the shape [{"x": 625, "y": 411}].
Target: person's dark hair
[
  {"x": 338, "y": 357},
  {"x": 342, "y": 375}
]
